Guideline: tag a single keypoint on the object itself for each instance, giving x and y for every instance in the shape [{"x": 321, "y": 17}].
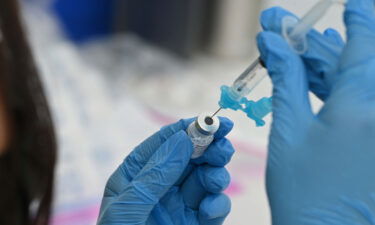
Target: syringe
[{"x": 294, "y": 31}]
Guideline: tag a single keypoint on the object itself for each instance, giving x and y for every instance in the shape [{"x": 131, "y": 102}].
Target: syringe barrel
[
  {"x": 311, "y": 18},
  {"x": 250, "y": 78}
]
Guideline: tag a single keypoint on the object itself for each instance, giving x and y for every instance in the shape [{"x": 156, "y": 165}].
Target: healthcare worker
[
  {"x": 320, "y": 168},
  {"x": 27, "y": 140}
]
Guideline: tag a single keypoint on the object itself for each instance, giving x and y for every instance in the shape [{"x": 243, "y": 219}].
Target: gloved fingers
[
  {"x": 226, "y": 125},
  {"x": 161, "y": 171},
  {"x": 271, "y": 19},
  {"x": 204, "y": 179},
  {"x": 356, "y": 85},
  {"x": 360, "y": 23},
  {"x": 360, "y": 18},
  {"x": 213, "y": 179},
  {"x": 219, "y": 153},
  {"x": 334, "y": 36},
  {"x": 322, "y": 56},
  {"x": 138, "y": 158},
  {"x": 291, "y": 104},
  {"x": 322, "y": 61},
  {"x": 214, "y": 209}
]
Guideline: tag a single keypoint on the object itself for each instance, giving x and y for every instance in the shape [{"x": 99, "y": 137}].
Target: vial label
[{"x": 198, "y": 148}]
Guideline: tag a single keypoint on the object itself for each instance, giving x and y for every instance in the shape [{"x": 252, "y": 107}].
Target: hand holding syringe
[
  {"x": 294, "y": 32},
  {"x": 234, "y": 97}
]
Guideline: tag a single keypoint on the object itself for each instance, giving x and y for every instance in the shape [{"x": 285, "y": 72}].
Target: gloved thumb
[
  {"x": 165, "y": 166},
  {"x": 360, "y": 22},
  {"x": 214, "y": 209},
  {"x": 291, "y": 105}
]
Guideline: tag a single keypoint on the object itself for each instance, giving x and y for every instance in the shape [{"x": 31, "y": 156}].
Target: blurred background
[{"x": 115, "y": 71}]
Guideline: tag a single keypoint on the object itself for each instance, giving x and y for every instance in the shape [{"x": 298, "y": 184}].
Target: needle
[{"x": 217, "y": 112}]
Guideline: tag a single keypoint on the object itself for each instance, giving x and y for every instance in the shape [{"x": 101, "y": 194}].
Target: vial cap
[{"x": 206, "y": 124}]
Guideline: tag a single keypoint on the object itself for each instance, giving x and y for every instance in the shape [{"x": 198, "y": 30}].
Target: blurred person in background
[{"x": 27, "y": 139}]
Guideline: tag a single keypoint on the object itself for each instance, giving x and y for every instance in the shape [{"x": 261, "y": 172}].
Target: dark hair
[{"x": 27, "y": 168}]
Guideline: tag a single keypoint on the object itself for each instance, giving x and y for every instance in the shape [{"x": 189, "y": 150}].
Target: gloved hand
[
  {"x": 320, "y": 168},
  {"x": 159, "y": 184},
  {"x": 322, "y": 57}
]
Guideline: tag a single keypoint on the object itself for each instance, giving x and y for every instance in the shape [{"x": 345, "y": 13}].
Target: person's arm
[
  {"x": 320, "y": 168},
  {"x": 159, "y": 184}
]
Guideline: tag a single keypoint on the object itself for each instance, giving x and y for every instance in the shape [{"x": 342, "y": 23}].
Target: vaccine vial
[{"x": 201, "y": 133}]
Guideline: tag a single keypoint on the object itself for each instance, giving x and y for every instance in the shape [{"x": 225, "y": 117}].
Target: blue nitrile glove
[
  {"x": 320, "y": 168},
  {"x": 321, "y": 58},
  {"x": 159, "y": 184}
]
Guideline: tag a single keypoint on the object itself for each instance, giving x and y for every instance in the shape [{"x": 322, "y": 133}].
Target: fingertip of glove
[
  {"x": 262, "y": 42},
  {"x": 169, "y": 130},
  {"x": 219, "y": 153},
  {"x": 214, "y": 179},
  {"x": 334, "y": 36},
  {"x": 226, "y": 146},
  {"x": 186, "y": 122},
  {"x": 226, "y": 125},
  {"x": 215, "y": 206},
  {"x": 271, "y": 18},
  {"x": 329, "y": 32},
  {"x": 226, "y": 121},
  {"x": 177, "y": 126},
  {"x": 270, "y": 43}
]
